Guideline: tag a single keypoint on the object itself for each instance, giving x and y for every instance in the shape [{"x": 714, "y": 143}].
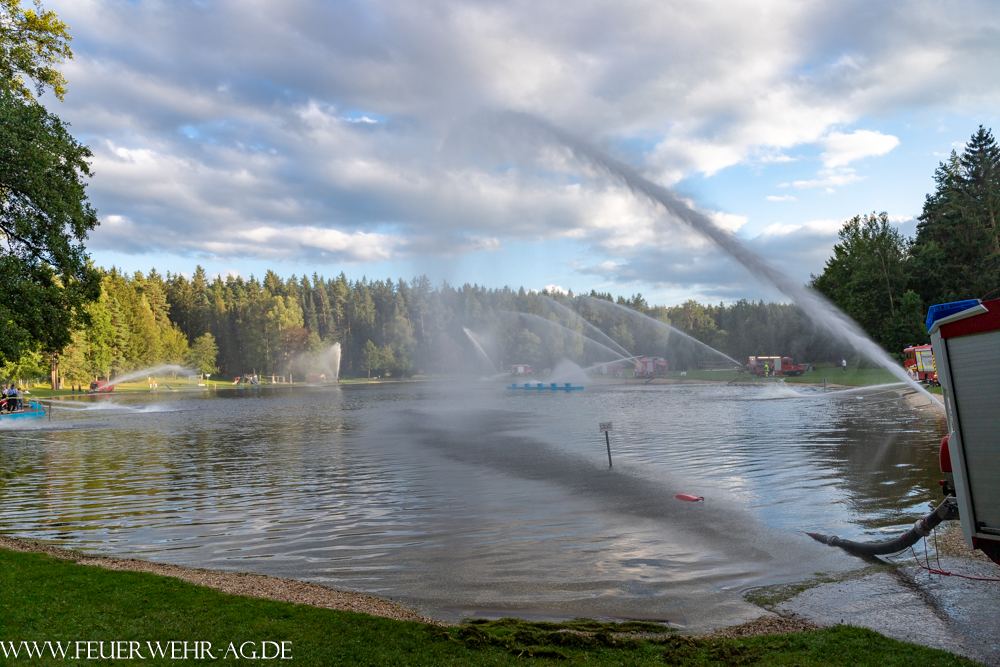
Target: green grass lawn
[
  {"x": 182, "y": 382},
  {"x": 854, "y": 377},
  {"x": 52, "y": 600}
]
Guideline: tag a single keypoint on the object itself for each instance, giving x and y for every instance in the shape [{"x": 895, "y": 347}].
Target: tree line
[
  {"x": 234, "y": 326},
  {"x": 886, "y": 281}
]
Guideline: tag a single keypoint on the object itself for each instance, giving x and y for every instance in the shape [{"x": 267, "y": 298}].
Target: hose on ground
[{"x": 921, "y": 529}]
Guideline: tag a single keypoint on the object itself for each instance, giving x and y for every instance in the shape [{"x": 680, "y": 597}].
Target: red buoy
[{"x": 688, "y": 497}]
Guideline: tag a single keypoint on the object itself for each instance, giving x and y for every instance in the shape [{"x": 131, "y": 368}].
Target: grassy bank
[
  {"x": 54, "y": 600},
  {"x": 834, "y": 375},
  {"x": 212, "y": 384},
  {"x": 853, "y": 377}
]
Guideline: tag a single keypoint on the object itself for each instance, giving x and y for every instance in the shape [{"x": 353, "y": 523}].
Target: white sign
[{"x": 605, "y": 426}]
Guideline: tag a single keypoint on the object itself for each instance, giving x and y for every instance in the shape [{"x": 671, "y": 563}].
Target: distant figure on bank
[{"x": 843, "y": 364}]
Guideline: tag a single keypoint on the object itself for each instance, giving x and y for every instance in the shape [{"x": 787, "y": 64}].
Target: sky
[{"x": 376, "y": 138}]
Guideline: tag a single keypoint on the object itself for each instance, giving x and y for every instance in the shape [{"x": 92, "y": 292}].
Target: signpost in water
[{"x": 606, "y": 426}]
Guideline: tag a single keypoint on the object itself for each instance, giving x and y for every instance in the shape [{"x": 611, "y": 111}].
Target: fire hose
[{"x": 945, "y": 511}]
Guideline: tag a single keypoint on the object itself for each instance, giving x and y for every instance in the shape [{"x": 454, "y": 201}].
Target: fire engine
[
  {"x": 101, "y": 388},
  {"x": 919, "y": 363},
  {"x": 778, "y": 366},
  {"x": 651, "y": 367},
  {"x": 520, "y": 369}
]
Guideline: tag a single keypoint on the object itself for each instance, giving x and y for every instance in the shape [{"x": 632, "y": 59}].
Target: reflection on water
[{"x": 462, "y": 498}]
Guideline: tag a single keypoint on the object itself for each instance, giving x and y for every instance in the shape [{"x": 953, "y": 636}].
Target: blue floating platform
[
  {"x": 551, "y": 386},
  {"x": 32, "y": 410}
]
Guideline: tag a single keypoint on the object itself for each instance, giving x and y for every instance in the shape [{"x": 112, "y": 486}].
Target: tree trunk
[{"x": 54, "y": 370}]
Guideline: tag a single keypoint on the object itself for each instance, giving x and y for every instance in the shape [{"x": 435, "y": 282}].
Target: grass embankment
[
  {"x": 54, "y": 600},
  {"x": 834, "y": 375},
  {"x": 854, "y": 377}
]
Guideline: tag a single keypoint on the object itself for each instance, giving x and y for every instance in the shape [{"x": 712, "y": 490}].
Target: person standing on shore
[{"x": 843, "y": 364}]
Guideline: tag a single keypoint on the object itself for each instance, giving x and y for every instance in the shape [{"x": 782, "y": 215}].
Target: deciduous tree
[{"x": 44, "y": 212}]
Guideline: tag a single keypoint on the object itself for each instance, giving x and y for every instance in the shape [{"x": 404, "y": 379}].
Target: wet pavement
[{"x": 910, "y": 604}]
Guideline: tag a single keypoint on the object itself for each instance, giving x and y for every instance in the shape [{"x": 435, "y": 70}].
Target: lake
[{"x": 468, "y": 499}]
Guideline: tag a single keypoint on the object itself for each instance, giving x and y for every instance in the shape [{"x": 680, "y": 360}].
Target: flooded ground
[{"x": 466, "y": 499}]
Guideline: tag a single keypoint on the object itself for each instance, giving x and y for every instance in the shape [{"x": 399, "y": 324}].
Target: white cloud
[
  {"x": 728, "y": 221},
  {"x": 289, "y": 241},
  {"x": 341, "y": 132},
  {"x": 782, "y": 198},
  {"x": 817, "y": 227},
  {"x": 827, "y": 178},
  {"x": 842, "y": 149}
]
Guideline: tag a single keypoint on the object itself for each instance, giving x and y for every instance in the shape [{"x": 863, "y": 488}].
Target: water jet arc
[
  {"x": 587, "y": 324},
  {"x": 822, "y": 312},
  {"x": 154, "y": 370},
  {"x": 532, "y": 316},
  {"x": 480, "y": 348},
  {"x": 637, "y": 314}
]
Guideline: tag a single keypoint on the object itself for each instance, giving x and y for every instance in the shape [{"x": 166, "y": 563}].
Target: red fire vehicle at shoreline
[
  {"x": 651, "y": 367},
  {"x": 919, "y": 363},
  {"x": 765, "y": 366}
]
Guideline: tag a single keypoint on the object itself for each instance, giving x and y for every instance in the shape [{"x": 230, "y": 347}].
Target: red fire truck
[
  {"x": 651, "y": 367},
  {"x": 776, "y": 365},
  {"x": 520, "y": 369},
  {"x": 101, "y": 388},
  {"x": 919, "y": 363}
]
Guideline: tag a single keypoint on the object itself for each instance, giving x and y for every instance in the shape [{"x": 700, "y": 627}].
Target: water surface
[{"x": 467, "y": 498}]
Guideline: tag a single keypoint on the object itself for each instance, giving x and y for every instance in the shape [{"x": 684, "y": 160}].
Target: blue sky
[{"x": 361, "y": 136}]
